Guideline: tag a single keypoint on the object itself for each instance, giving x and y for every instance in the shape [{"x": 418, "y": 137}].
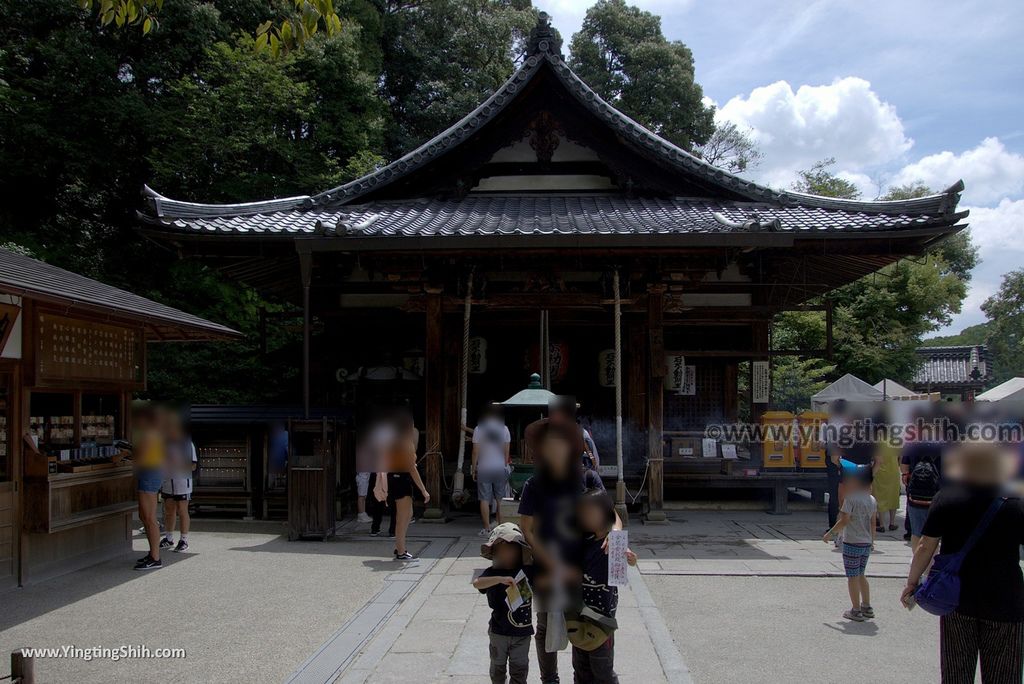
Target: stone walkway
[
  {"x": 429, "y": 623},
  {"x": 749, "y": 543}
]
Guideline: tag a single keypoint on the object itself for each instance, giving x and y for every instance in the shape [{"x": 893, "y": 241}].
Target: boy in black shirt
[
  {"x": 510, "y": 629},
  {"x": 592, "y": 635}
]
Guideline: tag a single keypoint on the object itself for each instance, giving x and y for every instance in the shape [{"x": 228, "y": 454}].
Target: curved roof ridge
[
  {"x": 165, "y": 206},
  {"x": 637, "y": 136}
]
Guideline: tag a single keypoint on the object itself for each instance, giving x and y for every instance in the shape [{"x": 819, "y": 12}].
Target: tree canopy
[
  {"x": 622, "y": 54},
  {"x": 90, "y": 111},
  {"x": 1005, "y": 313},
  {"x": 879, "y": 320}
]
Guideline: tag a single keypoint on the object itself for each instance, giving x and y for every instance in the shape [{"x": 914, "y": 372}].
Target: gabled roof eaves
[{"x": 644, "y": 141}]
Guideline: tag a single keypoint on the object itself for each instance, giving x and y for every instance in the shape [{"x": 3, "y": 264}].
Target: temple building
[
  {"x": 546, "y": 209},
  {"x": 957, "y": 373}
]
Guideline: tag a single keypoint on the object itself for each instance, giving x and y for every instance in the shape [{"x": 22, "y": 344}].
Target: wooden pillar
[
  {"x": 656, "y": 402},
  {"x": 23, "y": 668},
  {"x": 306, "y": 268},
  {"x": 434, "y": 402}
]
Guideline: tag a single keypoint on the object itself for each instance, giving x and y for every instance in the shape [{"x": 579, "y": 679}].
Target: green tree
[
  {"x": 442, "y": 58},
  {"x": 730, "y": 148},
  {"x": 622, "y": 54},
  {"x": 795, "y": 380},
  {"x": 879, "y": 320},
  {"x": 91, "y": 112},
  {"x": 819, "y": 180},
  {"x": 959, "y": 251},
  {"x": 975, "y": 334},
  {"x": 1005, "y": 313}
]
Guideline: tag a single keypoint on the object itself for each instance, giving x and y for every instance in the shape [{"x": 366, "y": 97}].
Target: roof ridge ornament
[{"x": 544, "y": 38}]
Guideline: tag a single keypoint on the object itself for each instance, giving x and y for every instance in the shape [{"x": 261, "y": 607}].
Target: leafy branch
[{"x": 275, "y": 38}]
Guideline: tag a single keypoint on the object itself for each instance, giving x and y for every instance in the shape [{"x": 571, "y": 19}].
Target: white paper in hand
[{"x": 618, "y": 542}]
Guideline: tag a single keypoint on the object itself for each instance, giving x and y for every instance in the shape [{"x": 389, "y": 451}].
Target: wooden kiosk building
[
  {"x": 72, "y": 352},
  {"x": 542, "y": 198}
]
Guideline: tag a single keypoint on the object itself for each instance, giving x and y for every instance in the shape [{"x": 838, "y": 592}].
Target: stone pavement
[
  {"x": 260, "y": 608},
  {"x": 429, "y": 620},
  {"x": 430, "y": 624},
  {"x": 751, "y": 543}
]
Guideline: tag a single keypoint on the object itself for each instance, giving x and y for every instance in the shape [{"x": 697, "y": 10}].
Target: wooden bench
[{"x": 778, "y": 482}]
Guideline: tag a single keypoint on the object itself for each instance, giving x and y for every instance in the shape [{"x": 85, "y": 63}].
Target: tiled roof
[
  {"x": 547, "y": 214},
  {"x": 23, "y": 276},
  {"x": 795, "y": 210},
  {"x": 952, "y": 365}
]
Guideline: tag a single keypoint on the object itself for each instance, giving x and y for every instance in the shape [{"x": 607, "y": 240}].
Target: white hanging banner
[
  {"x": 680, "y": 378},
  {"x": 676, "y": 375},
  {"x": 761, "y": 383}
]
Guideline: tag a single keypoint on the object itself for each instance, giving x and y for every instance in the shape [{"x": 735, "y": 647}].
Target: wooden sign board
[{"x": 72, "y": 349}]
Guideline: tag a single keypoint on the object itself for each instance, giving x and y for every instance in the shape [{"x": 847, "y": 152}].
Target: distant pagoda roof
[
  {"x": 712, "y": 201},
  {"x": 961, "y": 365}
]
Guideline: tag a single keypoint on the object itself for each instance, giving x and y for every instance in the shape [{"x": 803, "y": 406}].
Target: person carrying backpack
[
  {"x": 976, "y": 522},
  {"x": 921, "y": 466}
]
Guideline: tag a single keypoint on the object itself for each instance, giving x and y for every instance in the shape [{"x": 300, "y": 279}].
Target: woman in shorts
[
  {"x": 402, "y": 474},
  {"x": 149, "y": 454}
]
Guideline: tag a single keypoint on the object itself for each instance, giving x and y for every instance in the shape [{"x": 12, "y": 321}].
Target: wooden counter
[{"x": 65, "y": 500}]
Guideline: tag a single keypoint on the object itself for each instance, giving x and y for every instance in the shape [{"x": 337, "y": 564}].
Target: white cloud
[
  {"x": 989, "y": 172},
  {"x": 998, "y": 232},
  {"x": 846, "y": 120},
  {"x": 998, "y": 229}
]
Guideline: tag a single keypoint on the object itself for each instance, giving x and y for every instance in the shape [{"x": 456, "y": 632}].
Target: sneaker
[
  {"x": 148, "y": 563},
  {"x": 868, "y": 612},
  {"x": 485, "y": 532},
  {"x": 374, "y": 533},
  {"x": 165, "y": 543},
  {"x": 364, "y": 519},
  {"x": 854, "y": 615},
  {"x": 181, "y": 547},
  {"x": 404, "y": 556}
]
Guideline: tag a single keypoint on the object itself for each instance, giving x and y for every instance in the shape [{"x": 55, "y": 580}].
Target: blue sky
[{"x": 896, "y": 91}]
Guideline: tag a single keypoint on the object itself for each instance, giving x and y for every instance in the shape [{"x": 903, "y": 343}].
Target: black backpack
[{"x": 924, "y": 481}]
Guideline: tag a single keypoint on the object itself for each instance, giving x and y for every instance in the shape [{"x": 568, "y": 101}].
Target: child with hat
[{"x": 510, "y": 628}]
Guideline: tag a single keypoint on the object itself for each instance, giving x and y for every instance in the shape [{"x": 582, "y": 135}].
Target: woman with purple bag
[{"x": 975, "y": 585}]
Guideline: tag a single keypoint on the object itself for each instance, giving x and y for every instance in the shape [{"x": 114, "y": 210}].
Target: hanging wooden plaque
[{"x": 71, "y": 349}]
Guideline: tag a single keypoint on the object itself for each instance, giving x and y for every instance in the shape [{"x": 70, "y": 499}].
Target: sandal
[
  {"x": 854, "y": 615},
  {"x": 879, "y": 529},
  {"x": 893, "y": 528}
]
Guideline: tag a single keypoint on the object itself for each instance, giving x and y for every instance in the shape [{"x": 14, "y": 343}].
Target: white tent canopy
[
  {"x": 1011, "y": 390},
  {"x": 891, "y": 389},
  {"x": 849, "y": 388}
]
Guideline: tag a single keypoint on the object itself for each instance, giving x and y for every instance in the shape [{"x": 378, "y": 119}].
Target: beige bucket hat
[{"x": 505, "y": 532}]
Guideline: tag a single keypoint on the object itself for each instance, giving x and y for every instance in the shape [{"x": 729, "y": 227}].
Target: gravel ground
[
  {"x": 790, "y": 629},
  {"x": 246, "y": 604}
]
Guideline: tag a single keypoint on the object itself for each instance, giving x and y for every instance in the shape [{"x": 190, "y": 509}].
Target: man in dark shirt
[{"x": 547, "y": 510}]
